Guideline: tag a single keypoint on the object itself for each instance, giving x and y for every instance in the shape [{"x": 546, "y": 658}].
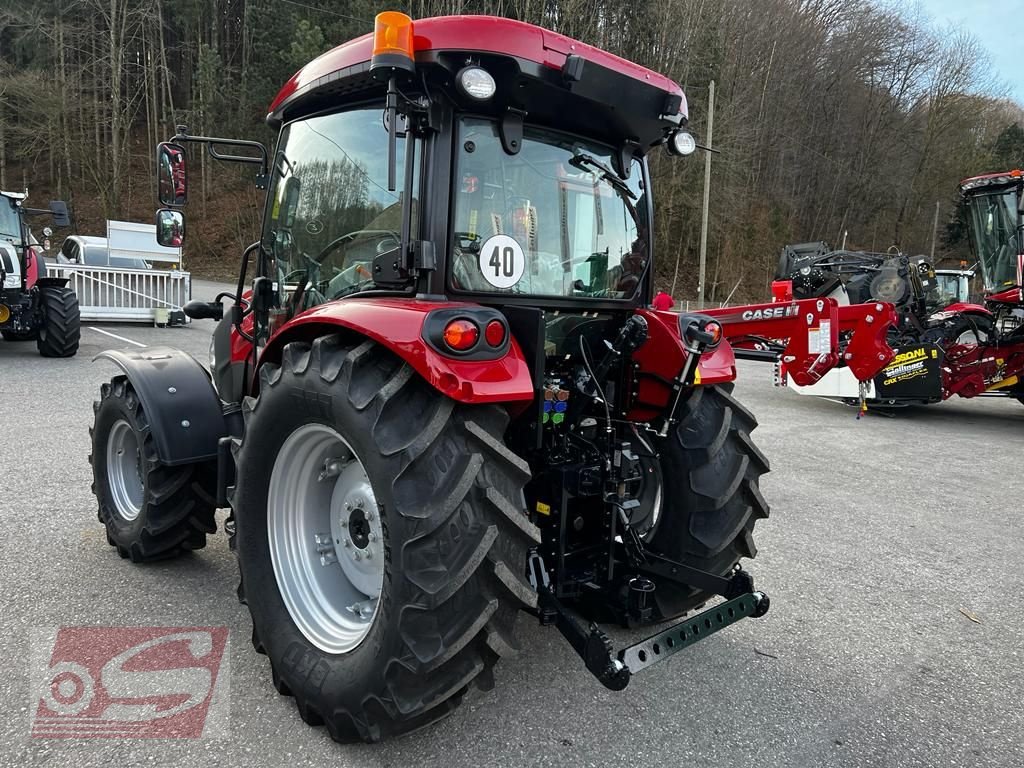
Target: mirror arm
[
  {"x": 243, "y": 270},
  {"x": 212, "y": 142}
]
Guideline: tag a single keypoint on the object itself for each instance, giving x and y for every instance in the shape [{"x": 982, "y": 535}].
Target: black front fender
[
  {"x": 58, "y": 282},
  {"x": 180, "y": 403}
]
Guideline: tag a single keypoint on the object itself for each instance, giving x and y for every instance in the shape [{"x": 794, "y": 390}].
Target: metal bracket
[
  {"x": 614, "y": 670},
  {"x": 511, "y": 130},
  {"x": 647, "y": 562},
  {"x": 684, "y": 634}
]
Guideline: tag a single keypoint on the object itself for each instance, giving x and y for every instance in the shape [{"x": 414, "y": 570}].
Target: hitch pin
[{"x": 863, "y": 408}]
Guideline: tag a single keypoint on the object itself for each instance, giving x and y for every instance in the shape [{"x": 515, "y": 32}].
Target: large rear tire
[
  {"x": 711, "y": 495},
  {"x": 151, "y": 511},
  {"x": 345, "y": 434},
  {"x": 61, "y": 329}
]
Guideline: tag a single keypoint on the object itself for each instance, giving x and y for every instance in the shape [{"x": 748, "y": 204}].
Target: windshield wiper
[{"x": 583, "y": 159}]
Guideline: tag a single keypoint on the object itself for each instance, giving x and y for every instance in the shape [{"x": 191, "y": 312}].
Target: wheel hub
[
  {"x": 124, "y": 470},
  {"x": 325, "y": 537},
  {"x": 359, "y": 527},
  {"x": 356, "y": 529}
]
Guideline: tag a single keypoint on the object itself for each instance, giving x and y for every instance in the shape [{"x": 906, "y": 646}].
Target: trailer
[{"x": 127, "y": 276}]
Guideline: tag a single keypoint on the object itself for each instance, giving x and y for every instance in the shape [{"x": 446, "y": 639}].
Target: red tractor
[
  {"x": 34, "y": 306},
  {"x": 967, "y": 349},
  {"x": 442, "y": 399}
]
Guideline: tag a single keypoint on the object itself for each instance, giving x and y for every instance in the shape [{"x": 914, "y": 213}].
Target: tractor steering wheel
[{"x": 385, "y": 234}]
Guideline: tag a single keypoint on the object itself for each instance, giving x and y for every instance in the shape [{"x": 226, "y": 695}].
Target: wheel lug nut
[
  {"x": 371, "y": 536},
  {"x": 356, "y": 556}
]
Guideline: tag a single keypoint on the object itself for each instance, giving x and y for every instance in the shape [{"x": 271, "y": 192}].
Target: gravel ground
[{"x": 884, "y": 532}]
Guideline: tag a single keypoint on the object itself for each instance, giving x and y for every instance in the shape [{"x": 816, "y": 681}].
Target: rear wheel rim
[
  {"x": 325, "y": 537},
  {"x": 124, "y": 472}
]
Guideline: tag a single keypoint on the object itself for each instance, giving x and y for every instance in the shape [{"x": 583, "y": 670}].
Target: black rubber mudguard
[
  {"x": 59, "y": 282},
  {"x": 181, "y": 405}
]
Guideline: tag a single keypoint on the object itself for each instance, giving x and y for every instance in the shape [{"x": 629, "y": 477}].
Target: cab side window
[{"x": 330, "y": 211}]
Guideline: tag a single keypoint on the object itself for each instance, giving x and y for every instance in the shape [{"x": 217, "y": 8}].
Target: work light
[
  {"x": 682, "y": 143},
  {"x": 476, "y": 83}
]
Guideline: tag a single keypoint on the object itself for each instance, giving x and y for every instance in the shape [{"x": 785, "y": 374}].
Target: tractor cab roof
[
  {"x": 991, "y": 181},
  {"x": 555, "y": 80},
  {"x": 14, "y": 195}
]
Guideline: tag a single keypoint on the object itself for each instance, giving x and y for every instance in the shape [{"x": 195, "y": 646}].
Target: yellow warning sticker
[{"x": 543, "y": 508}]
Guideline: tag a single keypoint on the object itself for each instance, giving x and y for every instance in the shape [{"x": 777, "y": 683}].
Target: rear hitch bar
[{"x": 614, "y": 669}]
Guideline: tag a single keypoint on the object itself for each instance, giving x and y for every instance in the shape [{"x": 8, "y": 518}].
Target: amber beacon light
[{"x": 392, "y": 42}]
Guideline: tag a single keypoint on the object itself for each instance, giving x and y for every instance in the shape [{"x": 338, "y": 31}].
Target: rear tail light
[
  {"x": 468, "y": 332},
  {"x": 715, "y": 331},
  {"x": 495, "y": 333},
  {"x": 461, "y": 335}
]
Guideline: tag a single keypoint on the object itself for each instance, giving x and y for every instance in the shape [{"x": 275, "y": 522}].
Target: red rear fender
[
  {"x": 1009, "y": 296},
  {"x": 961, "y": 307},
  {"x": 660, "y": 359},
  {"x": 397, "y": 324}
]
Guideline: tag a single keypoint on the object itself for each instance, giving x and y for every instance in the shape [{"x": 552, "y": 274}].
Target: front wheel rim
[
  {"x": 124, "y": 470},
  {"x": 326, "y": 538}
]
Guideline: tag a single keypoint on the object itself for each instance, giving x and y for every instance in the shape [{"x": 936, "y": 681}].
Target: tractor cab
[
  {"x": 995, "y": 204},
  {"x": 21, "y": 258},
  {"x": 476, "y": 158}
]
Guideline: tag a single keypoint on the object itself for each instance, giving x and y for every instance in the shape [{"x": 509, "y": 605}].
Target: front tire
[
  {"x": 712, "y": 499},
  {"x": 151, "y": 511},
  {"x": 451, "y": 538},
  {"x": 968, "y": 329},
  {"x": 61, "y": 329}
]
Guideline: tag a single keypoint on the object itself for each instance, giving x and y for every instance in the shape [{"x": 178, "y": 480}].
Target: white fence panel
[{"x": 132, "y": 295}]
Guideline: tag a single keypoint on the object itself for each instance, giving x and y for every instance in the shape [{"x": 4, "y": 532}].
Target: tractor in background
[
  {"x": 442, "y": 398},
  {"x": 34, "y": 306}
]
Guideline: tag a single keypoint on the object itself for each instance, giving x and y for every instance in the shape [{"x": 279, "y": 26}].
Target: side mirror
[
  {"x": 170, "y": 228},
  {"x": 172, "y": 179},
  {"x": 59, "y": 209}
]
